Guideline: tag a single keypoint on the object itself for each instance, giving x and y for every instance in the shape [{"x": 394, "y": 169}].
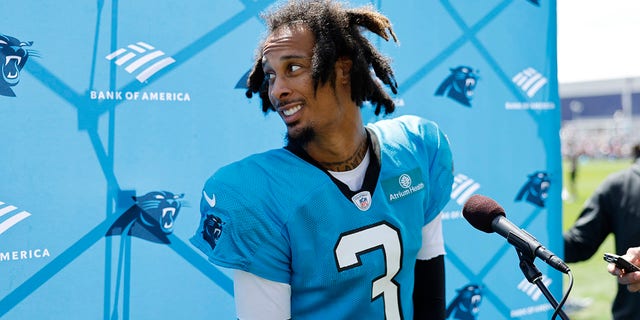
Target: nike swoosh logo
[{"x": 211, "y": 201}]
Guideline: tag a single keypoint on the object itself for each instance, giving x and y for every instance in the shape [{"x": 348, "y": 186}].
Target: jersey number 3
[{"x": 379, "y": 236}]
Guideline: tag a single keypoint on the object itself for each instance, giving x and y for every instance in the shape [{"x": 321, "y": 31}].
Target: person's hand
[{"x": 631, "y": 279}]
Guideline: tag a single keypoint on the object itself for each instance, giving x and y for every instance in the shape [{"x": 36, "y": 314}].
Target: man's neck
[
  {"x": 349, "y": 163},
  {"x": 341, "y": 153}
]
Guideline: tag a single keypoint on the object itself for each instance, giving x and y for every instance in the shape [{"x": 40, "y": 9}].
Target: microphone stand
[{"x": 534, "y": 276}]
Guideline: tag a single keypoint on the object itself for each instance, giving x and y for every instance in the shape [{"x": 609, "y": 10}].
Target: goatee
[{"x": 301, "y": 138}]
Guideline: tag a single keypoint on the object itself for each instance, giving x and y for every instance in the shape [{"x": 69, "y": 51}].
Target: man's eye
[{"x": 294, "y": 68}]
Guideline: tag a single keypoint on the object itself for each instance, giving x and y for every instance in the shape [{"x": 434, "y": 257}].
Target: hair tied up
[{"x": 372, "y": 21}]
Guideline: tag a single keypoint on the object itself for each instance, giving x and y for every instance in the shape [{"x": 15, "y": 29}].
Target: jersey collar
[{"x": 371, "y": 175}]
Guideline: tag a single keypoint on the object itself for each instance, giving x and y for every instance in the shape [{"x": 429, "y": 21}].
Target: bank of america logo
[
  {"x": 530, "y": 81},
  {"x": 141, "y": 59},
  {"x": 10, "y": 216},
  {"x": 463, "y": 188},
  {"x": 532, "y": 290}
]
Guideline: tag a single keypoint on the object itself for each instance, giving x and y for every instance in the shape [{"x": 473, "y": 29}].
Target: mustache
[{"x": 279, "y": 103}]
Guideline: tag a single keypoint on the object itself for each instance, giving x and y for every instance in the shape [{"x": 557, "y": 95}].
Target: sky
[{"x": 598, "y": 39}]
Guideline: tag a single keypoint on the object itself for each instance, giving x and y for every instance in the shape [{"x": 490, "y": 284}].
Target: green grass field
[{"x": 591, "y": 279}]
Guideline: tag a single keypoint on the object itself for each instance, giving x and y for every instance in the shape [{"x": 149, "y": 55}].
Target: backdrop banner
[{"x": 114, "y": 113}]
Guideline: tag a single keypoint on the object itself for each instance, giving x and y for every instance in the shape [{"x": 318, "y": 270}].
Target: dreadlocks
[{"x": 338, "y": 33}]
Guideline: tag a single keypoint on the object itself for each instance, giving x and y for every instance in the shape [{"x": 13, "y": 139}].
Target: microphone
[{"x": 485, "y": 214}]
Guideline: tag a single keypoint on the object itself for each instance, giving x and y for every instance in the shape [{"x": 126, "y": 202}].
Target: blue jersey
[{"x": 346, "y": 255}]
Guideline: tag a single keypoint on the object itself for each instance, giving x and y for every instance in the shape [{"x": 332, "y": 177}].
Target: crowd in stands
[{"x": 600, "y": 143}]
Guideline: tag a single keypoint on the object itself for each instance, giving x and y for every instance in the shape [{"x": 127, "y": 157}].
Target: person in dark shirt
[{"x": 613, "y": 208}]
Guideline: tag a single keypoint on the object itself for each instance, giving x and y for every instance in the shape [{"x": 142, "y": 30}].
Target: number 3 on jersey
[{"x": 379, "y": 236}]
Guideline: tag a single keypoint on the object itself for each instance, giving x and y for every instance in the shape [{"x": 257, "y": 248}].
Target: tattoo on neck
[{"x": 350, "y": 163}]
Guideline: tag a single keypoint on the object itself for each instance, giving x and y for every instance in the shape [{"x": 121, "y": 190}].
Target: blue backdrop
[{"x": 104, "y": 101}]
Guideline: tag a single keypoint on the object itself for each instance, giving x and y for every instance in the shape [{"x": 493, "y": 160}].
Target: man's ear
[{"x": 343, "y": 69}]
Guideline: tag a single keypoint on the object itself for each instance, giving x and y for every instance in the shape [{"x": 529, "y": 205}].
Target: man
[
  {"x": 342, "y": 223},
  {"x": 613, "y": 208}
]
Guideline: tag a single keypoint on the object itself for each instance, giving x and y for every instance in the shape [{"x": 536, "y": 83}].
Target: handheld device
[{"x": 621, "y": 262}]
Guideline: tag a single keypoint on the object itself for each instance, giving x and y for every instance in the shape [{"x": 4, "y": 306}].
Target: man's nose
[{"x": 279, "y": 88}]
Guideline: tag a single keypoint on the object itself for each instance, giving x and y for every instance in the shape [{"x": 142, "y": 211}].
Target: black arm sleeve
[
  {"x": 429, "y": 289},
  {"x": 594, "y": 224}
]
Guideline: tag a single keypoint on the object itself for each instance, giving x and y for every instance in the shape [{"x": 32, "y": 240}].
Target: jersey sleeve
[
  {"x": 237, "y": 232},
  {"x": 434, "y": 147},
  {"x": 440, "y": 171}
]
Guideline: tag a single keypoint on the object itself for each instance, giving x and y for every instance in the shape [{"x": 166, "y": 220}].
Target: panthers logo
[
  {"x": 150, "y": 218},
  {"x": 242, "y": 83},
  {"x": 535, "y": 190},
  {"x": 459, "y": 85},
  {"x": 13, "y": 56},
  {"x": 212, "y": 229},
  {"x": 466, "y": 304}
]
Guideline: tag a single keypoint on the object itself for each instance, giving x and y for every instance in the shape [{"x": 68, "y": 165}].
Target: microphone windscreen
[{"x": 480, "y": 212}]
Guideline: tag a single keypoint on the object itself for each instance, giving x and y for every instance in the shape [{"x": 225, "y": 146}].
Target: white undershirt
[
  {"x": 353, "y": 178},
  {"x": 257, "y": 298}
]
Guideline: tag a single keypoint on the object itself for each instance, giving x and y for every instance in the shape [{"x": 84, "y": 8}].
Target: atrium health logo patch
[
  {"x": 13, "y": 57},
  {"x": 404, "y": 185}
]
